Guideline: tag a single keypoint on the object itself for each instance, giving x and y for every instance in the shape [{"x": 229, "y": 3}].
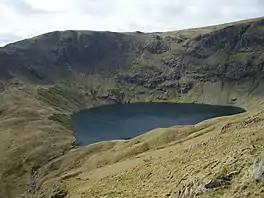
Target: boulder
[{"x": 258, "y": 169}]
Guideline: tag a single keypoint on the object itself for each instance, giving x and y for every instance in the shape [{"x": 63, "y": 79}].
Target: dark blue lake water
[{"x": 124, "y": 121}]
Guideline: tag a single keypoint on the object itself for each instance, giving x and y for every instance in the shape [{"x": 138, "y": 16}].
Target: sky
[{"x": 21, "y": 19}]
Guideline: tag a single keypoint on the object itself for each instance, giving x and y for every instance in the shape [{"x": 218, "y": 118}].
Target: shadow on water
[{"x": 125, "y": 121}]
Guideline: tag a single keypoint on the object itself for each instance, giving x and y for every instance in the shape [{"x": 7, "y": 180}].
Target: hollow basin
[{"x": 124, "y": 121}]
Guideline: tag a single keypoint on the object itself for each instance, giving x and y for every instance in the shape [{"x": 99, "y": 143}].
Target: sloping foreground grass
[
  {"x": 28, "y": 139},
  {"x": 163, "y": 162},
  {"x": 38, "y": 160}
]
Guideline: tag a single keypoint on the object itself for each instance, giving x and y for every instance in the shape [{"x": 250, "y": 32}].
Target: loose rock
[{"x": 258, "y": 169}]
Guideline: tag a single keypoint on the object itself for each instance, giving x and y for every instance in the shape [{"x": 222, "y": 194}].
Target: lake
[{"x": 124, "y": 121}]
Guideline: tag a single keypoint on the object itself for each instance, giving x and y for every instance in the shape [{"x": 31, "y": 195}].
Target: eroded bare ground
[{"x": 211, "y": 159}]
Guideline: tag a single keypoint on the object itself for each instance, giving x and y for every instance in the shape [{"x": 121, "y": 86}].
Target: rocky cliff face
[
  {"x": 44, "y": 59},
  {"x": 231, "y": 53},
  {"x": 156, "y": 66}
]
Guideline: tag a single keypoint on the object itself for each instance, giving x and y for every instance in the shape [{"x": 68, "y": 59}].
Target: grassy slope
[
  {"x": 164, "y": 161},
  {"x": 29, "y": 139},
  {"x": 36, "y": 141},
  {"x": 42, "y": 140}
]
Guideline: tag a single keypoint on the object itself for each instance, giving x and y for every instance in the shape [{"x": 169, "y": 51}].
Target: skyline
[{"x": 22, "y": 19}]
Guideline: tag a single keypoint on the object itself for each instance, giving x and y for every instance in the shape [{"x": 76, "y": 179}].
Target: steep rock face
[
  {"x": 173, "y": 62},
  {"x": 47, "y": 57},
  {"x": 156, "y": 45},
  {"x": 74, "y": 48},
  {"x": 232, "y": 53}
]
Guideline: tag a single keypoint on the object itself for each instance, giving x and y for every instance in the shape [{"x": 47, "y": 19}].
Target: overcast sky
[{"x": 26, "y": 18}]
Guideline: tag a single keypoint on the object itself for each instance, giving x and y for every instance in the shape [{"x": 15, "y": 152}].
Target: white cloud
[{"x": 26, "y": 18}]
